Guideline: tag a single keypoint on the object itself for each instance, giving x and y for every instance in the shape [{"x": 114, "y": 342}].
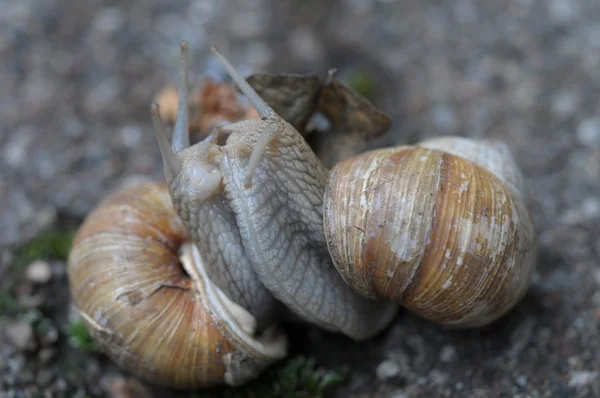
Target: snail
[
  {"x": 441, "y": 227},
  {"x": 141, "y": 289},
  {"x": 186, "y": 283}
]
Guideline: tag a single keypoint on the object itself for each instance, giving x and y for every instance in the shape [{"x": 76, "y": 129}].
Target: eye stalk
[
  {"x": 171, "y": 163},
  {"x": 268, "y": 115},
  {"x": 263, "y": 109},
  {"x": 181, "y": 138}
]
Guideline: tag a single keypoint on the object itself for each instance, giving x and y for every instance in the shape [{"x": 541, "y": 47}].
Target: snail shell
[
  {"x": 142, "y": 291},
  {"x": 441, "y": 228}
]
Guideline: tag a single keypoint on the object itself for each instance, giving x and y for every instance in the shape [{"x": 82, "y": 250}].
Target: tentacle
[
  {"x": 172, "y": 164},
  {"x": 261, "y": 106},
  {"x": 207, "y": 143},
  {"x": 260, "y": 147},
  {"x": 181, "y": 135}
]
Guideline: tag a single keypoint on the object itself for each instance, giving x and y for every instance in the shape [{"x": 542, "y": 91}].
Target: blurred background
[{"x": 77, "y": 79}]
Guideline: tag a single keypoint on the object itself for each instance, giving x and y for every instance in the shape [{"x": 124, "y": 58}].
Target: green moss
[
  {"x": 294, "y": 377},
  {"x": 43, "y": 325},
  {"x": 8, "y": 303},
  {"x": 51, "y": 245},
  {"x": 362, "y": 83},
  {"x": 80, "y": 338}
]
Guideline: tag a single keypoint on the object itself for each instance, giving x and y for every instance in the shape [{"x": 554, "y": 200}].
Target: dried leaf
[
  {"x": 332, "y": 148},
  {"x": 350, "y": 112},
  {"x": 293, "y": 97},
  {"x": 354, "y": 123},
  {"x": 352, "y": 120},
  {"x": 211, "y": 105},
  {"x": 217, "y": 104}
]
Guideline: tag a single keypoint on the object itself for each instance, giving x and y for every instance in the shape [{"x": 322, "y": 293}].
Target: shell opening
[{"x": 271, "y": 343}]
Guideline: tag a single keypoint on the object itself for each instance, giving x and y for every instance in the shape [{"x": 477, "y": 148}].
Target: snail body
[
  {"x": 237, "y": 233},
  {"x": 268, "y": 186},
  {"x": 254, "y": 226}
]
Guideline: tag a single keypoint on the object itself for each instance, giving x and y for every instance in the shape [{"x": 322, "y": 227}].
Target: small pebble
[
  {"x": 590, "y": 208},
  {"x": 26, "y": 376},
  {"x": 23, "y": 290},
  {"x": 439, "y": 378},
  {"x": 108, "y": 20},
  {"x": 59, "y": 269},
  {"x": 563, "y": 11},
  {"x": 74, "y": 128},
  {"x": 60, "y": 385},
  {"x": 6, "y": 257},
  {"x": 565, "y": 103},
  {"x": 521, "y": 336},
  {"x": 448, "y": 353},
  {"x": 248, "y": 24},
  {"x": 46, "y": 354},
  {"x": 44, "y": 377},
  {"x": 15, "y": 151},
  {"x": 444, "y": 118},
  {"x": 39, "y": 272},
  {"x": 131, "y": 136},
  {"x": 305, "y": 44},
  {"x": 100, "y": 96},
  {"x": 10, "y": 380},
  {"x": 588, "y": 132},
  {"x": 21, "y": 336},
  {"x": 521, "y": 381},
  {"x": 31, "y": 301},
  {"x": 358, "y": 380},
  {"x": 16, "y": 364},
  {"x": 122, "y": 387},
  {"x": 386, "y": 370},
  {"x": 49, "y": 337},
  {"x": 582, "y": 378}
]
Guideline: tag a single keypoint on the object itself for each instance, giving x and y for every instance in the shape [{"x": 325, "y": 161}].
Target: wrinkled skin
[{"x": 258, "y": 200}]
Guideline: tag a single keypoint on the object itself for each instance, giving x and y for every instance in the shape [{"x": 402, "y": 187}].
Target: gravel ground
[{"x": 78, "y": 78}]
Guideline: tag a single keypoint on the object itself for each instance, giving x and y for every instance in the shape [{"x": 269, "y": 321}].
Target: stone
[
  {"x": 521, "y": 381},
  {"x": 448, "y": 353},
  {"x": 439, "y": 378},
  {"x": 39, "y": 272},
  {"x": 49, "y": 336},
  {"x": 46, "y": 354},
  {"x": 386, "y": 370},
  {"x": 44, "y": 377},
  {"x": 444, "y": 118},
  {"x": 588, "y": 132},
  {"x": 390, "y": 372},
  {"x": 108, "y": 20},
  {"x": 21, "y": 336},
  {"x": 582, "y": 378}
]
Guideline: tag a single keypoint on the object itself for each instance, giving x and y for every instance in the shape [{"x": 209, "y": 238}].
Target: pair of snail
[{"x": 185, "y": 283}]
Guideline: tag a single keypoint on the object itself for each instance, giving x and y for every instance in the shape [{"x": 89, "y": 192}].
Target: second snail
[{"x": 184, "y": 282}]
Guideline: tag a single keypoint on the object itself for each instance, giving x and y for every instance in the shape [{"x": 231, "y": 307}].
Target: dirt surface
[{"x": 77, "y": 79}]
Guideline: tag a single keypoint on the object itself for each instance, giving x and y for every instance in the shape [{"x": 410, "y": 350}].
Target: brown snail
[
  {"x": 441, "y": 227},
  {"x": 258, "y": 224},
  {"x": 142, "y": 291}
]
